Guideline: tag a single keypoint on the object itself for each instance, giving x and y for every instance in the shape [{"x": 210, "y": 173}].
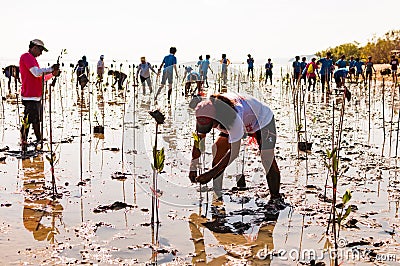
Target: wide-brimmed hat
[{"x": 39, "y": 43}]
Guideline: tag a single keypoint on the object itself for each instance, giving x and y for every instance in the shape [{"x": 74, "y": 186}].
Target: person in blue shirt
[
  {"x": 359, "y": 69},
  {"x": 169, "y": 64},
  {"x": 369, "y": 67},
  {"x": 296, "y": 69},
  {"x": 224, "y": 69},
  {"x": 192, "y": 77},
  {"x": 325, "y": 72},
  {"x": 199, "y": 62},
  {"x": 205, "y": 66},
  {"x": 341, "y": 63},
  {"x": 302, "y": 67},
  {"x": 268, "y": 70},
  {"x": 250, "y": 66},
  {"x": 340, "y": 76},
  {"x": 352, "y": 68}
]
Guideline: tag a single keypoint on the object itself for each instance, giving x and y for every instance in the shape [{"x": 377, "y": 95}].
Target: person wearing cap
[
  {"x": 31, "y": 90},
  {"x": 192, "y": 77},
  {"x": 100, "y": 69},
  {"x": 235, "y": 115},
  {"x": 144, "y": 71},
  {"x": 169, "y": 64}
]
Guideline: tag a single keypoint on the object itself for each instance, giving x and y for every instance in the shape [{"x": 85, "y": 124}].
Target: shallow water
[{"x": 193, "y": 229}]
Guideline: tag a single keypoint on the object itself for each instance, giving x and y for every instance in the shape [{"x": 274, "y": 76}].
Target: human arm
[
  {"x": 159, "y": 69},
  {"x": 152, "y": 68},
  {"x": 226, "y": 160},
  {"x": 196, "y": 153},
  {"x": 176, "y": 71},
  {"x": 210, "y": 69}
]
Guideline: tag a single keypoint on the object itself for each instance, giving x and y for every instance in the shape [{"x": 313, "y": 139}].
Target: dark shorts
[
  {"x": 33, "y": 111},
  {"x": 266, "y": 137},
  {"x": 296, "y": 75},
  {"x": 143, "y": 79}
]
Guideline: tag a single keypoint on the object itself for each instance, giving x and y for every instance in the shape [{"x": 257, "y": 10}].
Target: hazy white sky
[{"x": 127, "y": 29}]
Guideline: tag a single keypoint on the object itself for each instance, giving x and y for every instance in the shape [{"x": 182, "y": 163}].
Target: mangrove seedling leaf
[
  {"x": 348, "y": 211},
  {"x": 346, "y": 196}
]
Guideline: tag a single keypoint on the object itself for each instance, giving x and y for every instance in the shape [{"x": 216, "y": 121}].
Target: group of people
[
  {"x": 325, "y": 68},
  {"x": 234, "y": 115}
]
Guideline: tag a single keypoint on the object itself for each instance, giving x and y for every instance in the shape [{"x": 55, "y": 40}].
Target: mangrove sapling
[
  {"x": 158, "y": 165},
  {"x": 332, "y": 164}
]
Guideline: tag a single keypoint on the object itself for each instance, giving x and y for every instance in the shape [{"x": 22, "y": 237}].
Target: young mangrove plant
[
  {"x": 332, "y": 164},
  {"x": 158, "y": 166}
]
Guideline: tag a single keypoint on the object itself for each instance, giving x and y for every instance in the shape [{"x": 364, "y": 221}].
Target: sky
[{"x": 128, "y": 29}]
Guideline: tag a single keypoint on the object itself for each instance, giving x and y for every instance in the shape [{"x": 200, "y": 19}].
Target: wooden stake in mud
[
  {"x": 391, "y": 123},
  {"x": 398, "y": 125},
  {"x": 383, "y": 117}
]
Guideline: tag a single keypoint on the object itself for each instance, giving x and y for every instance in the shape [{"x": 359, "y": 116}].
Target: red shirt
[{"x": 31, "y": 85}]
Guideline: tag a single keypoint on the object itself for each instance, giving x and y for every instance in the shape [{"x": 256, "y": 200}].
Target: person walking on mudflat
[
  {"x": 144, "y": 72},
  {"x": 394, "y": 63},
  {"x": 296, "y": 70},
  {"x": 100, "y": 70},
  {"x": 268, "y": 70},
  {"x": 325, "y": 72},
  {"x": 369, "y": 67},
  {"x": 31, "y": 91},
  {"x": 235, "y": 115},
  {"x": 205, "y": 66},
  {"x": 250, "y": 66},
  {"x": 224, "y": 69},
  {"x": 169, "y": 64},
  {"x": 81, "y": 68}
]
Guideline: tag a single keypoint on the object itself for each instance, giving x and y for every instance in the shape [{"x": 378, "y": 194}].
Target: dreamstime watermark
[{"x": 343, "y": 253}]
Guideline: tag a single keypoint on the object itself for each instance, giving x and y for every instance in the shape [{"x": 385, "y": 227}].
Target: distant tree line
[{"x": 379, "y": 48}]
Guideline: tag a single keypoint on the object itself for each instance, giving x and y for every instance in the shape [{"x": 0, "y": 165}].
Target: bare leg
[{"x": 273, "y": 173}]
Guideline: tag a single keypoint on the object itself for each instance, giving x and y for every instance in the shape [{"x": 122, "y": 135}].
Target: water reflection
[
  {"x": 40, "y": 210},
  {"x": 241, "y": 246}
]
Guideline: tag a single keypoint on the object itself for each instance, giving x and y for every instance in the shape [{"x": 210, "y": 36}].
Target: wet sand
[{"x": 36, "y": 229}]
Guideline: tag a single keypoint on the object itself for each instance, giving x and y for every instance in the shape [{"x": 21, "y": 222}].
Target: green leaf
[
  {"x": 160, "y": 158},
  {"x": 348, "y": 211},
  {"x": 196, "y": 140},
  {"x": 346, "y": 196}
]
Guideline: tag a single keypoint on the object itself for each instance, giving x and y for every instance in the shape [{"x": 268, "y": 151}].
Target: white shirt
[{"x": 252, "y": 115}]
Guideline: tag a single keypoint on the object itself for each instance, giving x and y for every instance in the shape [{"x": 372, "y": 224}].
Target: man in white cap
[
  {"x": 100, "y": 70},
  {"x": 31, "y": 91}
]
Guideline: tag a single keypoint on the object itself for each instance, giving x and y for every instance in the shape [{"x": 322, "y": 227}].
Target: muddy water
[{"x": 95, "y": 170}]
